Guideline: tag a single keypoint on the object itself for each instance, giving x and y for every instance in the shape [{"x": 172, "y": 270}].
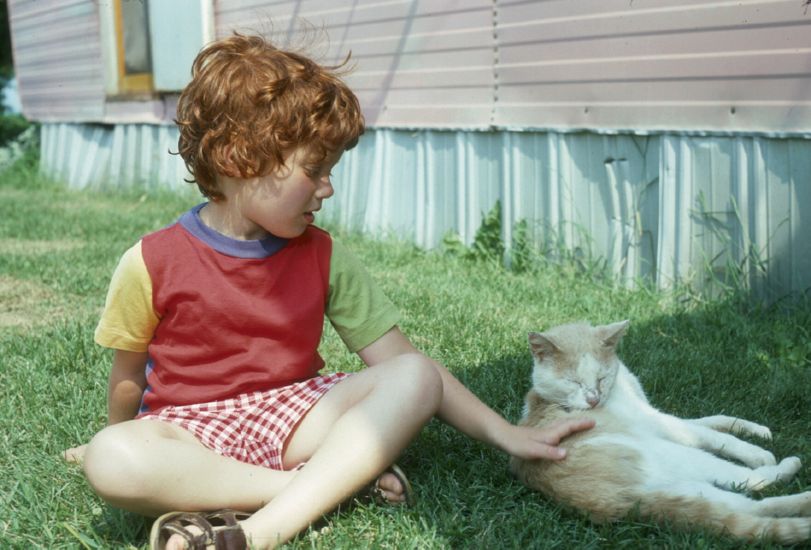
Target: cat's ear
[
  {"x": 613, "y": 333},
  {"x": 541, "y": 346}
]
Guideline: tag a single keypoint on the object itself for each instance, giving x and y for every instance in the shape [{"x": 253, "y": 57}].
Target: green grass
[{"x": 695, "y": 357}]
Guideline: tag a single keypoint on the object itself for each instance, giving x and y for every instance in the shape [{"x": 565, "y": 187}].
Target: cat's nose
[{"x": 593, "y": 399}]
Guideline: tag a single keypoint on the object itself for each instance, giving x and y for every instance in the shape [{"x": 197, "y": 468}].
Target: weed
[
  {"x": 521, "y": 253},
  {"x": 488, "y": 244}
]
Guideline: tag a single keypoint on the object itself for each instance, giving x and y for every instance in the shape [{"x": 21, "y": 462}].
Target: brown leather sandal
[{"x": 219, "y": 530}]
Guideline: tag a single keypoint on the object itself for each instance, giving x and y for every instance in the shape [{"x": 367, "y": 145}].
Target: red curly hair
[{"x": 249, "y": 105}]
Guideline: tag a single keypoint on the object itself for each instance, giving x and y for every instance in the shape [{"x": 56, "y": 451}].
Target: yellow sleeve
[{"x": 128, "y": 321}]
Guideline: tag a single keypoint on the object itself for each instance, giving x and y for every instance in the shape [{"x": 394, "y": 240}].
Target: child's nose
[{"x": 325, "y": 189}]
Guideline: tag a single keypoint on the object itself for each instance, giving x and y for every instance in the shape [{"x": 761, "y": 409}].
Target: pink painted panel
[
  {"x": 57, "y": 58},
  {"x": 635, "y": 23},
  {"x": 658, "y": 116},
  {"x": 712, "y": 73},
  {"x": 378, "y": 17},
  {"x": 416, "y": 64},
  {"x": 694, "y": 41},
  {"x": 654, "y": 65},
  {"x": 728, "y": 65},
  {"x": 472, "y": 59}
]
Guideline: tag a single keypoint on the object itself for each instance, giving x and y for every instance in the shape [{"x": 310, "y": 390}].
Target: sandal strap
[
  {"x": 230, "y": 538},
  {"x": 227, "y": 516},
  {"x": 220, "y": 529},
  {"x": 177, "y": 525}
]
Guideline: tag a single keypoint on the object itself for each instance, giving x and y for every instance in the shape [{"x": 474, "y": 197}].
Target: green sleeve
[{"x": 356, "y": 306}]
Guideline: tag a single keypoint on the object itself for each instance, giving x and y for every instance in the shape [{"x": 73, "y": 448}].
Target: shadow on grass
[{"x": 121, "y": 529}]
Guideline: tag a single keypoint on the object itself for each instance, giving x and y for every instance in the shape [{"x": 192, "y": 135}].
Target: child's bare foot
[
  {"x": 390, "y": 488},
  {"x": 75, "y": 455},
  {"x": 393, "y": 487}
]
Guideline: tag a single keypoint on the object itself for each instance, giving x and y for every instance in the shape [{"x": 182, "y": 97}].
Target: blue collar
[{"x": 229, "y": 246}]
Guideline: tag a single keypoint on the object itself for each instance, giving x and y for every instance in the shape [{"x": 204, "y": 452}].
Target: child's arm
[
  {"x": 126, "y": 385},
  {"x": 125, "y": 388},
  {"x": 465, "y": 412}
]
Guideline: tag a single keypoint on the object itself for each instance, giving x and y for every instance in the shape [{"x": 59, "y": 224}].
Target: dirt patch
[
  {"x": 21, "y": 247},
  {"x": 26, "y": 303}
]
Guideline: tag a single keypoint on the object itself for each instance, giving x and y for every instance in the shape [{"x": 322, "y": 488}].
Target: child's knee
[
  {"x": 111, "y": 464},
  {"x": 419, "y": 375}
]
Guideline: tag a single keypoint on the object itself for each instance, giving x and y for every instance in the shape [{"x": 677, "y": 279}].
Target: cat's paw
[
  {"x": 759, "y": 431},
  {"x": 733, "y": 425},
  {"x": 741, "y": 426},
  {"x": 806, "y": 508},
  {"x": 760, "y": 457},
  {"x": 766, "y": 475},
  {"x": 805, "y": 503},
  {"x": 789, "y": 466}
]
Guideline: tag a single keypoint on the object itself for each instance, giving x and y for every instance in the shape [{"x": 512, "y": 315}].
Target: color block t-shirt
[{"x": 220, "y": 317}]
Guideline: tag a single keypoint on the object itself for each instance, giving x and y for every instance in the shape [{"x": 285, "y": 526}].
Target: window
[
  {"x": 133, "y": 55},
  {"x": 149, "y": 45}
]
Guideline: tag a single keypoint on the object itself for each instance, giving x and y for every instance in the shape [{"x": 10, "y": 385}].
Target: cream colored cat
[{"x": 638, "y": 458}]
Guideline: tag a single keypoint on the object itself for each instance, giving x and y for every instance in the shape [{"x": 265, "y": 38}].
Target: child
[{"x": 215, "y": 401}]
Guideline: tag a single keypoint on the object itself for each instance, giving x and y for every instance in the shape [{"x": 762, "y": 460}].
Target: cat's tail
[{"x": 736, "y": 515}]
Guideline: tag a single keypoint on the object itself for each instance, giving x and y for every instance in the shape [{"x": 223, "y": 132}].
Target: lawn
[{"x": 694, "y": 356}]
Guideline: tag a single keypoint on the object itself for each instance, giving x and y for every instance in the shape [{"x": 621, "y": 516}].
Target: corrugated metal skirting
[
  {"x": 662, "y": 207},
  {"x": 659, "y": 207},
  {"x": 105, "y": 155}
]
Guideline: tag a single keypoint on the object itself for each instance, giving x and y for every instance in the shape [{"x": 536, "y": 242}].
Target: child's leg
[
  {"x": 151, "y": 467},
  {"x": 351, "y": 435},
  {"x": 348, "y": 438}
]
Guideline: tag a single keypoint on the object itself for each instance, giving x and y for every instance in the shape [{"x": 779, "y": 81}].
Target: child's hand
[
  {"x": 541, "y": 443},
  {"x": 75, "y": 455}
]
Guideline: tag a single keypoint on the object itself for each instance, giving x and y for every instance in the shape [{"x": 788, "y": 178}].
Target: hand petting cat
[{"x": 536, "y": 443}]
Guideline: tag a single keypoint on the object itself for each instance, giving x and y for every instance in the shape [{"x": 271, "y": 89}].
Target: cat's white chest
[{"x": 630, "y": 407}]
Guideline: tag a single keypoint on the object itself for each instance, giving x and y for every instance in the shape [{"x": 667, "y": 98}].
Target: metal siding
[
  {"x": 416, "y": 64},
  {"x": 102, "y": 155},
  {"x": 654, "y": 65},
  {"x": 647, "y": 65},
  {"x": 664, "y": 209},
  {"x": 664, "y": 206},
  {"x": 800, "y": 214},
  {"x": 57, "y": 59}
]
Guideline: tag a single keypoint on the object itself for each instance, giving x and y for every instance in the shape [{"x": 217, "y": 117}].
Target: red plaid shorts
[{"x": 251, "y": 427}]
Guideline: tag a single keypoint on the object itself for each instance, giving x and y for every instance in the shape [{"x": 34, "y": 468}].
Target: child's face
[{"x": 283, "y": 203}]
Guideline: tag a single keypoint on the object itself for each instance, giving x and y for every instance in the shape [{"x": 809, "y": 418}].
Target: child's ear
[
  {"x": 541, "y": 346},
  {"x": 613, "y": 333},
  {"x": 229, "y": 163}
]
